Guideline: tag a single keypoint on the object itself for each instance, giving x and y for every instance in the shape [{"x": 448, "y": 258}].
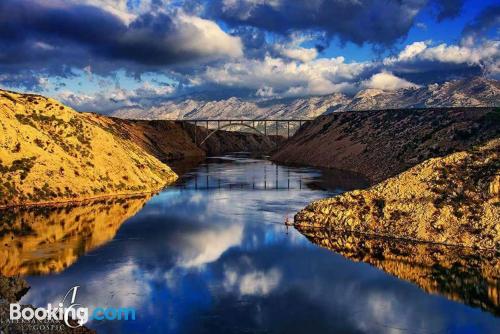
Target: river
[{"x": 211, "y": 254}]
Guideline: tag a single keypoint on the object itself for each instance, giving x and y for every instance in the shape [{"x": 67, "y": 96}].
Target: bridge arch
[{"x": 229, "y": 125}]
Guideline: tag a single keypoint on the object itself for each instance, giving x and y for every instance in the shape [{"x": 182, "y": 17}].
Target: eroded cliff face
[
  {"x": 380, "y": 144},
  {"x": 460, "y": 274},
  {"x": 166, "y": 140},
  {"x": 453, "y": 200},
  {"x": 43, "y": 240},
  {"x": 50, "y": 153}
]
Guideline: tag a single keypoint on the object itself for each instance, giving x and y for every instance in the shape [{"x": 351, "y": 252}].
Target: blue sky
[{"x": 102, "y": 55}]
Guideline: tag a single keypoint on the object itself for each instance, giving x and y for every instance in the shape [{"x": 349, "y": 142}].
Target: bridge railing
[{"x": 266, "y": 127}]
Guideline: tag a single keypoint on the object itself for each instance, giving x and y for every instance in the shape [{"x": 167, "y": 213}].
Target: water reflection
[
  {"x": 460, "y": 274},
  {"x": 42, "y": 240},
  {"x": 221, "y": 261}
]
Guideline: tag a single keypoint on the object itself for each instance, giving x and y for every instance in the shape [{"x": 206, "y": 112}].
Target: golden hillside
[
  {"x": 452, "y": 200},
  {"x": 51, "y": 153}
]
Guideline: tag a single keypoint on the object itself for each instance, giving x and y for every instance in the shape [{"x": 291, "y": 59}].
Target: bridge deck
[{"x": 243, "y": 122}]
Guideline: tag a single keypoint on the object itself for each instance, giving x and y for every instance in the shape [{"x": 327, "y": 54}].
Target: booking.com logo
[{"x": 73, "y": 315}]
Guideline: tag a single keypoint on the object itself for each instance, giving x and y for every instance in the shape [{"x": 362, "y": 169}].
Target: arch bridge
[{"x": 261, "y": 126}]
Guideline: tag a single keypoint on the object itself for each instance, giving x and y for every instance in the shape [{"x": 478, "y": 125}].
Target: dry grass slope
[
  {"x": 452, "y": 200},
  {"x": 50, "y": 153},
  {"x": 383, "y": 143}
]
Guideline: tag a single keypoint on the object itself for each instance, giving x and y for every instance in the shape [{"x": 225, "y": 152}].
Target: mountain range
[{"x": 475, "y": 92}]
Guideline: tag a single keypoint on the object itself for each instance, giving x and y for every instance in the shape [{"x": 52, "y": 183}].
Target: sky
[{"x": 101, "y": 55}]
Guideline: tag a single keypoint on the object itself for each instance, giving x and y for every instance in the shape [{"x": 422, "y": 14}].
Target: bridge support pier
[
  {"x": 255, "y": 124},
  {"x": 195, "y": 127}
]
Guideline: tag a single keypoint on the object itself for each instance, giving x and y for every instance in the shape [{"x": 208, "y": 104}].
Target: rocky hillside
[
  {"x": 476, "y": 92},
  {"x": 50, "y": 153},
  {"x": 454, "y": 200},
  {"x": 166, "y": 140},
  {"x": 381, "y": 144}
]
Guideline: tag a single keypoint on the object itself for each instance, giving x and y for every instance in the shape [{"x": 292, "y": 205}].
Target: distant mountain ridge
[{"x": 475, "y": 92}]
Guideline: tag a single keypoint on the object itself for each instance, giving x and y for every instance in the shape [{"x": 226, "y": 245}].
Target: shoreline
[
  {"x": 389, "y": 237},
  {"x": 79, "y": 201}
]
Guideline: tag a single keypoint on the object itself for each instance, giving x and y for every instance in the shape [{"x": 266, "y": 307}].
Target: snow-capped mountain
[{"x": 474, "y": 92}]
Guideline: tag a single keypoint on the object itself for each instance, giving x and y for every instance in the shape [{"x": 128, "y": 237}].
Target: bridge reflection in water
[{"x": 269, "y": 180}]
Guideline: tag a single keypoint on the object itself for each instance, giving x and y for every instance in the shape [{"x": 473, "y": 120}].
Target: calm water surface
[{"x": 211, "y": 255}]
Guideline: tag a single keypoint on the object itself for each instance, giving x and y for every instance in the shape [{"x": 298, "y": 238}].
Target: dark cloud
[
  {"x": 486, "y": 20},
  {"x": 448, "y": 9},
  {"x": 363, "y": 21},
  {"x": 36, "y": 36}
]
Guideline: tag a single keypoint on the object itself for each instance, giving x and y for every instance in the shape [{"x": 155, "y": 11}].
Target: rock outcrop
[
  {"x": 166, "y": 140},
  {"x": 454, "y": 200},
  {"x": 12, "y": 288},
  {"x": 51, "y": 153},
  {"x": 380, "y": 144}
]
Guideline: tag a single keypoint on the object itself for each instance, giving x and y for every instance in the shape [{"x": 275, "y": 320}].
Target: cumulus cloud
[
  {"x": 286, "y": 78},
  {"x": 294, "y": 50},
  {"x": 422, "y": 56},
  {"x": 224, "y": 48},
  {"x": 386, "y": 81},
  {"x": 59, "y": 35},
  {"x": 208, "y": 245},
  {"x": 255, "y": 282},
  {"x": 299, "y": 53}
]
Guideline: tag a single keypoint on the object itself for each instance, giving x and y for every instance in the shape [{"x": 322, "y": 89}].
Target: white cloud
[
  {"x": 294, "y": 50},
  {"x": 299, "y": 53},
  {"x": 410, "y": 51},
  {"x": 419, "y": 52},
  {"x": 243, "y": 8},
  {"x": 286, "y": 78},
  {"x": 256, "y": 282},
  {"x": 208, "y": 245},
  {"x": 386, "y": 81},
  {"x": 265, "y": 91},
  {"x": 204, "y": 37}
]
